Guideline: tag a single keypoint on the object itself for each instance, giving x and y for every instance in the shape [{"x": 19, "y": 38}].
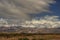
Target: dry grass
[{"x": 30, "y": 36}]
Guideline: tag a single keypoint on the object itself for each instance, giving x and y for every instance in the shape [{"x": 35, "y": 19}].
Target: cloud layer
[
  {"x": 44, "y": 22},
  {"x": 19, "y": 9}
]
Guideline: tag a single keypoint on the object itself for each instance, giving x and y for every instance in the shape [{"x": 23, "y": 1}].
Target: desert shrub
[
  {"x": 33, "y": 39},
  {"x": 23, "y": 39},
  {"x": 41, "y": 39},
  {"x": 20, "y": 39}
]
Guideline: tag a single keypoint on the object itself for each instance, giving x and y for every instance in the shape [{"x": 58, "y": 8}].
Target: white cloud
[
  {"x": 44, "y": 22},
  {"x": 21, "y": 8}
]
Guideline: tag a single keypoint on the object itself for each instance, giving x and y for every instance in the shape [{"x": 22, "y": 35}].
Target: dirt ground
[{"x": 32, "y": 37}]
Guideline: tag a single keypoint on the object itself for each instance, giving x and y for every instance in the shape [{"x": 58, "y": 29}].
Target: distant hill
[{"x": 20, "y": 29}]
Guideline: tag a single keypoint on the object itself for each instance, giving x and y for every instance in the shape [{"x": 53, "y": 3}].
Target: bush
[
  {"x": 41, "y": 39},
  {"x": 23, "y": 39},
  {"x": 20, "y": 39},
  {"x": 33, "y": 39},
  {"x": 37, "y": 39}
]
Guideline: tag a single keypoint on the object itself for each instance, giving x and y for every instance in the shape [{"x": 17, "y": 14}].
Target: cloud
[
  {"x": 19, "y": 9},
  {"x": 44, "y": 22}
]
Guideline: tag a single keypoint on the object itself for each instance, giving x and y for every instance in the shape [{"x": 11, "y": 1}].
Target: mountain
[{"x": 20, "y": 29}]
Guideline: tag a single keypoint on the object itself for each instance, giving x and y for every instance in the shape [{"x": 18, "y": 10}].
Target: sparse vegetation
[
  {"x": 20, "y": 39},
  {"x": 33, "y": 39},
  {"x": 23, "y": 39},
  {"x": 41, "y": 39},
  {"x": 18, "y": 36}
]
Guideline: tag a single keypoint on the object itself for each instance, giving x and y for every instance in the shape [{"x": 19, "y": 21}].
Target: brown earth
[{"x": 31, "y": 37}]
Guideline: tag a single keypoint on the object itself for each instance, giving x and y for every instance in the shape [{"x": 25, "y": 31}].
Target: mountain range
[{"x": 20, "y": 29}]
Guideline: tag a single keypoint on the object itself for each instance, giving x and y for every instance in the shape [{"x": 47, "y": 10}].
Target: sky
[
  {"x": 19, "y": 11},
  {"x": 54, "y": 8}
]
